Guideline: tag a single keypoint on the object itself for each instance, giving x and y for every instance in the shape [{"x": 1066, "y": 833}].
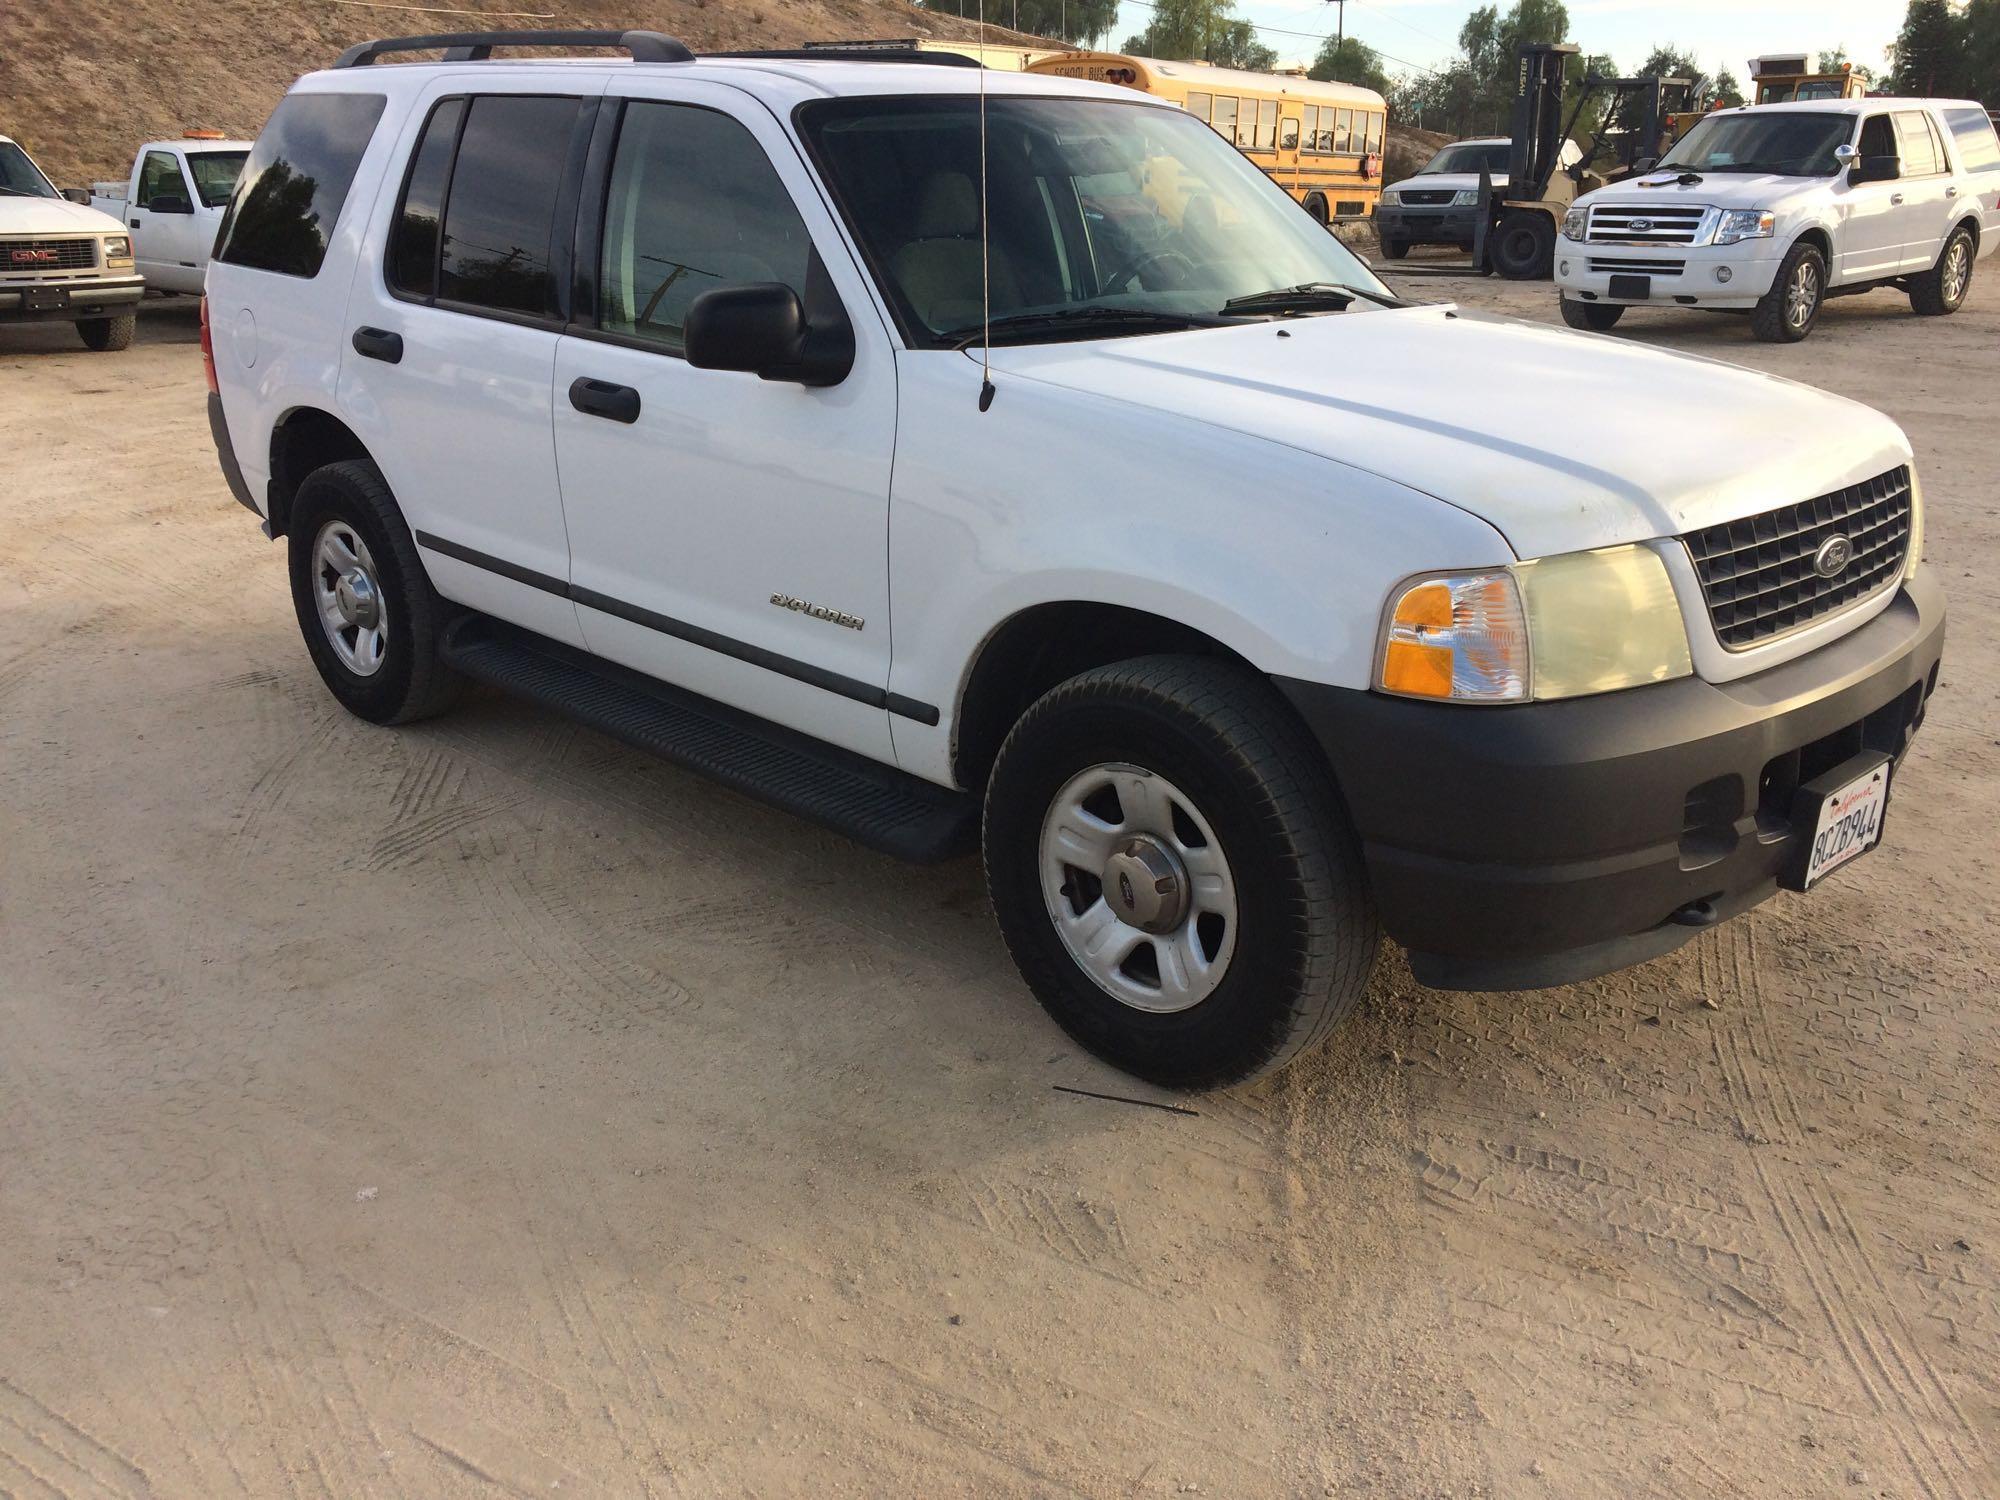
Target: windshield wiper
[
  {"x": 1079, "y": 321},
  {"x": 1309, "y": 296}
]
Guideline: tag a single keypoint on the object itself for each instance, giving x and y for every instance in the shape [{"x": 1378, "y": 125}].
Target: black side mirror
[
  {"x": 1875, "y": 169},
  {"x": 169, "y": 203},
  {"x": 77, "y": 195},
  {"x": 765, "y": 330},
  {"x": 1645, "y": 164}
]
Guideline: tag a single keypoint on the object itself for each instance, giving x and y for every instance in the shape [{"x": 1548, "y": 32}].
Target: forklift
[{"x": 1516, "y": 235}]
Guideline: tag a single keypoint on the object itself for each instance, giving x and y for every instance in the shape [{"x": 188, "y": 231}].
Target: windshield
[
  {"x": 1469, "y": 156},
  {"x": 1790, "y": 143},
  {"x": 20, "y": 177},
  {"x": 215, "y": 174},
  {"x": 1096, "y": 207}
]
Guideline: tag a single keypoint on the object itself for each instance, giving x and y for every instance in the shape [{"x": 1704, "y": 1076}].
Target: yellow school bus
[{"x": 1321, "y": 142}]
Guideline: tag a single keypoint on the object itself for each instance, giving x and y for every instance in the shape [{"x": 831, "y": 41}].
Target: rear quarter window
[
  {"x": 289, "y": 197},
  {"x": 1972, "y": 133}
]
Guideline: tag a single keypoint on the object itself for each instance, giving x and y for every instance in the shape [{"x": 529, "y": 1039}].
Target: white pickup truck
[
  {"x": 61, "y": 261},
  {"x": 1771, "y": 209},
  {"x": 173, "y": 202}
]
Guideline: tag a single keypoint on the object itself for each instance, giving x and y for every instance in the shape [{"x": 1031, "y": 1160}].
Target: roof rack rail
[
  {"x": 855, "y": 52},
  {"x": 477, "y": 46}
]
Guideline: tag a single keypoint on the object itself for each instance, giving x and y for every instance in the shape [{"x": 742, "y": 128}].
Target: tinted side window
[
  {"x": 1972, "y": 132},
  {"x": 693, "y": 204},
  {"x": 500, "y": 218},
  {"x": 1915, "y": 145},
  {"x": 413, "y": 243},
  {"x": 1877, "y": 139},
  {"x": 159, "y": 175},
  {"x": 290, "y": 194}
]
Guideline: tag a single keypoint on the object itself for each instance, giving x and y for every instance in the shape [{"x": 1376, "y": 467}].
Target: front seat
[{"x": 938, "y": 269}]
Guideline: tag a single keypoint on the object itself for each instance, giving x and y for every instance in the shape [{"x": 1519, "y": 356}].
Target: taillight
[{"x": 208, "y": 350}]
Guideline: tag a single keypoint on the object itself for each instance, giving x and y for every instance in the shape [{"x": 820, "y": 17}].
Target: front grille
[
  {"x": 1641, "y": 224},
  {"x": 1758, "y": 576},
  {"x": 1638, "y": 267},
  {"x": 1425, "y": 197},
  {"x": 31, "y": 256}
]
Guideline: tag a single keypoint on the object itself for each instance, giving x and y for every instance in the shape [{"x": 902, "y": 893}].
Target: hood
[
  {"x": 52, "y": 216},
  {"x": 1722, "y": 189},
  {"x": 1445, "y": 181},
  {"x": 1561, "y": 441}
]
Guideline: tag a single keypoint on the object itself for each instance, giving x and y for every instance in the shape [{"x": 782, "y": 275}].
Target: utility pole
[{"x": 1340, "y": 27}]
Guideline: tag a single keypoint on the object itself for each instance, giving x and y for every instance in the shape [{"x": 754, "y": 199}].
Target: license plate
[
  {"x": 44, "y": 298},
  {"x": 1637, "y": 288},
  {"x": 1848, "y": 824}
]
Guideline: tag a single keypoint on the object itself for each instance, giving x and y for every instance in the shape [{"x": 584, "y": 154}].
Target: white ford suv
[
  {"x": 1143, "y": 543},
  {"x": 1773, "y": 208}
]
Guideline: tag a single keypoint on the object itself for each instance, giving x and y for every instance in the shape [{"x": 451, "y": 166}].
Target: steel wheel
[
  {"x": 348, "y": 591},
  {"x": 1802, "y": 295},
  {"x": 1138, "y": 887},
  {"x": 1957, "y": 270}
]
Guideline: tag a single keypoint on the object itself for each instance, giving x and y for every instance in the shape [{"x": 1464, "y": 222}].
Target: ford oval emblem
[
  {"x": 1641, "y": 226},
  {"x": 1834, "y": 554}
]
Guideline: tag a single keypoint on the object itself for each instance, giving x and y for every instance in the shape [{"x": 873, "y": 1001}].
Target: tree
[
  {"x": 1927, "y": 51},
  {"x": 1728, "y": 91},
  {"x": 1491, "y": 41},
  {"x": 1980, "y": 78},
  {"x": 1351, "y": 61},
  {"x": 1835, "y": 58},
  {"x": 1072, "y": 21},
  {"x": 1672, "y": 62},
  {"x": 1202, "y": 31}
]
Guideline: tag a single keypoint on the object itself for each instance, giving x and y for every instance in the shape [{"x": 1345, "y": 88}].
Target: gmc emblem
[{"x": 32, "y": 257}]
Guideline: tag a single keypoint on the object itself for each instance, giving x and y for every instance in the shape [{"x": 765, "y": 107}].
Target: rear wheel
[
  {"x": 1942, "y": 288},
  {"x": 107, "y": 335},
  {"x": 1174, "y": 872},
  {"x": 1787, "y": 312},
  {"x": 1595, "y": 317},
  {"x": 364, "y": 603},
  {"x": 1315, "y": 204},
  {"x": 1523, "y": 248}
]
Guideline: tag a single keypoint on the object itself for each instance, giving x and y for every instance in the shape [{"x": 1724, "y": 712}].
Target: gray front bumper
[
  {"x": 1423, "y": 225},
  {"x": 87, "y": 298}
]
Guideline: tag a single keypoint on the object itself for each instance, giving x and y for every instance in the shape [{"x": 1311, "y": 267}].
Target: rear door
[
  {"x": 452, "y": 340},
  {"x": 730, "y": 535},
  {"x": 1925, "y": 205}
]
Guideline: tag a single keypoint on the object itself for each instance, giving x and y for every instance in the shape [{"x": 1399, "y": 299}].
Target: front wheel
[
  {"x": 1523, "y": 248},
  {"x": 1174, "y": 872},
  {"x": 1942, "y": 288},
  {"x": 1395, "y": 249},
  {"x": 1593, "y": 317},
  {"x": 1787, "y": 312},
  {"x": 107, "y": 335}
]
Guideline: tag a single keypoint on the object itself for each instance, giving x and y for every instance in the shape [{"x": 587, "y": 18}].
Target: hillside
[{"x": 84, "y": 81}]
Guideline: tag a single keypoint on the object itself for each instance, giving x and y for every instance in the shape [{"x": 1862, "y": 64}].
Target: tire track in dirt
[{"x": 59, "y": 1453}]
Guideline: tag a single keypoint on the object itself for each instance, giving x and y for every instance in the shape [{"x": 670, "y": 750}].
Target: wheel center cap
[
  {"x": 1146, "y": 885},
  {"x": 354, "y": 596}
]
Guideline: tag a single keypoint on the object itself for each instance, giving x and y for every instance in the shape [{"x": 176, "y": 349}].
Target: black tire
[
  {"x": 1523, "y": 246},
  {"x": 1306, "y": 931},
  {"x": 1592, "y": 317},
  {"x": 107, "y": 335},
  {"x": 411, "y": 682},
  {"x": 1395, "y": 249},
  {"x": 1929, "y": 293},
  {"x": 1315, "y": 204},
  {"x": 1776, "y": 319}
]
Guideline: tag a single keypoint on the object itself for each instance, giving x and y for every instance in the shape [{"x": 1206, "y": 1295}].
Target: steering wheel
[{"x": 1136, "y": 269}]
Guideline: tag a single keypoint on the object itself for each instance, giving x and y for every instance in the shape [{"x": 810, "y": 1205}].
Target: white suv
[
  {"x": 659, "y": 391},
  {"x": 1773, "y": 208}
]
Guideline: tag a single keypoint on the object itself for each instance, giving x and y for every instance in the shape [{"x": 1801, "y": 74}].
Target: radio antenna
[{"x": 985, "y": 254}]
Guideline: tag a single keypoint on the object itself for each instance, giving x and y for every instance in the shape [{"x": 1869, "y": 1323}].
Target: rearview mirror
[
  {"x": 1875, "y": 169},
  {"x": 169, "y": 203},
  {"x": 763, "y": 329}
]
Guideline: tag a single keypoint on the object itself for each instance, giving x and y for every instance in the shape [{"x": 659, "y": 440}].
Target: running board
[{"x": 872, "y": 804}]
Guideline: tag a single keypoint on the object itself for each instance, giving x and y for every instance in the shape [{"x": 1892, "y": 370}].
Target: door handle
[
  {"x": 379, "y": 343},
  {"x": 600, "y": 398},
  {"x": 135, "y": 223},
  {"x": 1895, "y": 197},
  {"x": 1951, "y": 192}
]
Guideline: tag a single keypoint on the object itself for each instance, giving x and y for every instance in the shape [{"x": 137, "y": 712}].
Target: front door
[
  {"x": 1870, "y": 243},
  {"x": 727, "y": 534},
  {"x": 166, "y": 238}
]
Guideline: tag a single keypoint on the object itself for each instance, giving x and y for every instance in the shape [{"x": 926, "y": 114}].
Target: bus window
[
  {"x": 1197, "y": 105},
  {"x": 1224, "y": 119},
  {"x": 1343, "y": 128},
  {"x": 1288, "y": 134},
  {"x": 1375, "y": 124},
  {"x": 1266, "y": 138}
]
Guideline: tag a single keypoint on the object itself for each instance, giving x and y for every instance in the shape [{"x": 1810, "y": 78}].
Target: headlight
[
  {"x": 1744, "y": 224},
  {"x": 1465, "y": 198},
  {"x": 1576, "y": 223},
  {"x": 1392, "y": 199},
  {"x": 1556, "y": 627},
  {"x": 1916, "y": 552},
  {"x": 117, "y": 247}
]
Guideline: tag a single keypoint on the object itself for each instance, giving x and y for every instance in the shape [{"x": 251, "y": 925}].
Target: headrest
[{"x": 949, "y": 208}]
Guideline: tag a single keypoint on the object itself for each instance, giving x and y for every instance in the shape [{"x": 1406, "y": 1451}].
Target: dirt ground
[{"x": 483, "y": 1108}]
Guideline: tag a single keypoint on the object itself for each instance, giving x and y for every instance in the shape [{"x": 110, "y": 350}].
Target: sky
[{"x": 1721, "y": 33}]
